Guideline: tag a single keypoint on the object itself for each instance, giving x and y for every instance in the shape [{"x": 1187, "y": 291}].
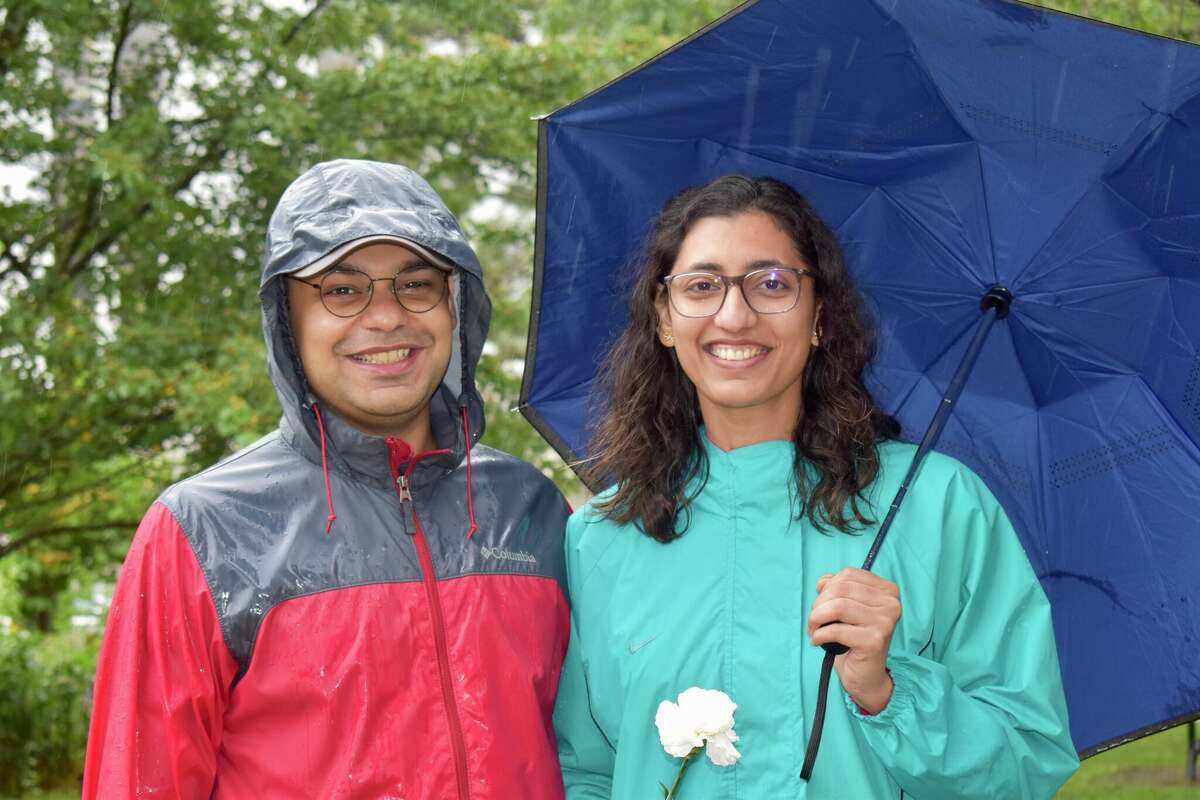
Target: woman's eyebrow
[
  {"x": 705, "y": 266},
  {"x": 708, "y": 266},
  {"x": 765, "y": 264}
]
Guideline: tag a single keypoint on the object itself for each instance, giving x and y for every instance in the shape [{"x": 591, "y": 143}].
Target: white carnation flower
[{"x": 701, "y": 717}]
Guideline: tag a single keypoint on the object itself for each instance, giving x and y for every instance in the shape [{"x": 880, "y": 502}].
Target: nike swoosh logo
[{"x": 633, "y": 648}]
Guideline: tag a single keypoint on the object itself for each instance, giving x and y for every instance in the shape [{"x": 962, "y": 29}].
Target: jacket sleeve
[
  {"x": 163, "y": 677},
  {"x": 982, "y": 713},
  {"x": 584, "y": 751}
]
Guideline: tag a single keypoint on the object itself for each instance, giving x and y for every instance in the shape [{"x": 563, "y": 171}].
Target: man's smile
[{"x": 383, "y": 356}]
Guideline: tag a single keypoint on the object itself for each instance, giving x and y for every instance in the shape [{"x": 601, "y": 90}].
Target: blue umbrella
[{"x": 956, "y": 146}]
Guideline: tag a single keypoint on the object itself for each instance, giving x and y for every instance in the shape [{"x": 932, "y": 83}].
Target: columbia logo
[{"x": 508, "y": 555}]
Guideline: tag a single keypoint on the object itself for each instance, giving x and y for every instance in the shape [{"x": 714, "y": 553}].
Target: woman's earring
[
  {"x": 668, "y": 338},
  {"x": 816, "y": 338}
]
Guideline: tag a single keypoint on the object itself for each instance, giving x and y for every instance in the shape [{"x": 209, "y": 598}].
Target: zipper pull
[{"x": 405, "y": 498}]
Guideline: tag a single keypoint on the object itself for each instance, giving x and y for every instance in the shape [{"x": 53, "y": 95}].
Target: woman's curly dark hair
[{"x": 649, "y": 441}]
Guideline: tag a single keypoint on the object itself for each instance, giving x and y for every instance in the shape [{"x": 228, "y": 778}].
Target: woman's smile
[{"x": 737, "y": 355}]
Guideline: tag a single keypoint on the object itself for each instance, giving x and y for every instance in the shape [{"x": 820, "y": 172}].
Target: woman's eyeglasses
[{"x": 774, "y": 290}]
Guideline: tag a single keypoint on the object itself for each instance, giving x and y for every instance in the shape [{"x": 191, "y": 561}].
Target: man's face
[{"x": 378, "y": 369}]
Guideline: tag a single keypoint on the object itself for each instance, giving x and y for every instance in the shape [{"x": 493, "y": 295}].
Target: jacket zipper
[{"x": 439, "y": 632}]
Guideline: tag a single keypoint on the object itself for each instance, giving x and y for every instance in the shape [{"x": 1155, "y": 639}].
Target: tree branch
[
  {"x": 14, "y": 264},
  {"x": 16, "y": 25},
  {"x": 12, "y": 545},
  {"x": 67, "y": 493},
  {"x": 85, "y": 220},
  {"x": 208, "y": 161},
  {"x": 123, "y": 28},
  {"x": 300, "y": 23},
  {"x": 58, "y": 443},
  {"x": 96, "y": 186},
  {"x": 38, "y": 245}
]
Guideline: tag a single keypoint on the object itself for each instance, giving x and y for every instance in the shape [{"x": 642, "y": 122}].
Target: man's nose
[{"x": 383, "y": 309}]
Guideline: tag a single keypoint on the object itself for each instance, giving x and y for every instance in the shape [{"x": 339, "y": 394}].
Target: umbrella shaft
[{"x": 934, "y": 432}]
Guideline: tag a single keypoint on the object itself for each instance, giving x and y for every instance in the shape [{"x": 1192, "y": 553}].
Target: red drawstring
[
  {"x": 325, "y": 471},
  {"x": 470, "y": 500},
  {"x": 329, "y": 491}
]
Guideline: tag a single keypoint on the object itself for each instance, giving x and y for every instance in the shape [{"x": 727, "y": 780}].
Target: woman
[{"x": 752, "y": 470}]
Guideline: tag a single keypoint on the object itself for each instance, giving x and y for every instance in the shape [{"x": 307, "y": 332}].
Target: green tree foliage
[
  {"x": 43, "y": 711},
  {"x": 1179, "y": 19}
]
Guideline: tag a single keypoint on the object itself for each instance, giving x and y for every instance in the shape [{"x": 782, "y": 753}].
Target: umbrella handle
[
  {"x": 834, "y": 648},
  {"x": 995, "y": 305}
]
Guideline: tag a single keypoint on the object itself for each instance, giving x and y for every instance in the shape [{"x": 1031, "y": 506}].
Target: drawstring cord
[
  {"x": 325, "y": 470},
  {"x": 470, "y": 492},
  {"x": 464, "y": 382},
  {"x": 329, "y": 491}
]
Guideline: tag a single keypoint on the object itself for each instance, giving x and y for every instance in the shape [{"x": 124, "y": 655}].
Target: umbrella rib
[
  {"x": 919, "y": 223},
  {"x": 895, "y": 288},
  {"x": 987, "y": 213},
  {"x": 1069, "y": 215},
  {"x": 1029, "y": 296},
  {"x": 1094, "y": 246},
  {"x": 759, "y": 156},
  {"x": 951, "y": 341},
  {"x": 920, "y": 62}
]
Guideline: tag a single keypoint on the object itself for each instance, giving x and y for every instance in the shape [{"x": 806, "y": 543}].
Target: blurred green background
[{"x": 143, "y": 144}]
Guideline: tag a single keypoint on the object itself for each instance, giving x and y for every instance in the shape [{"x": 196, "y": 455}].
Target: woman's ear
[
  {"x": 816, "y": 329},
  {"x": 665, "y": 333}
]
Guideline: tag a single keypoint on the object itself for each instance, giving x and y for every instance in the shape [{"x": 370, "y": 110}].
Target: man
[{"x": 365, "y": 603}]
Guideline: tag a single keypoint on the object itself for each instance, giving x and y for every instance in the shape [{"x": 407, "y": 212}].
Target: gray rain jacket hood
[{"x": 336, "y": 203}]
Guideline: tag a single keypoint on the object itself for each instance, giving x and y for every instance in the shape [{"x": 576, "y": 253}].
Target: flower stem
[{"x": 679, "y": 776}]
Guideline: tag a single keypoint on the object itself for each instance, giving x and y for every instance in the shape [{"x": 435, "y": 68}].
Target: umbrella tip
[{"x": 998, "y": 298}]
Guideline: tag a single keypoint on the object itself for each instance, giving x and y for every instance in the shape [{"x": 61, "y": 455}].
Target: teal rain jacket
[{"x": 977, "y": 710}]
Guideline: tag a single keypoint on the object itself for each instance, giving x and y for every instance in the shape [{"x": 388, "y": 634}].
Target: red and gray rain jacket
[{"x": 412, "y": 650}]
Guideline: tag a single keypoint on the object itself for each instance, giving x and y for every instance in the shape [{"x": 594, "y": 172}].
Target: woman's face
[{"x": 739, "y": 359}]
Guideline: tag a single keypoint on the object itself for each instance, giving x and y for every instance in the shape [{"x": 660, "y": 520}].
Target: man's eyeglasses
[
  {"x": 347, "y": 292},
  {"x": 773, "y": 290}
]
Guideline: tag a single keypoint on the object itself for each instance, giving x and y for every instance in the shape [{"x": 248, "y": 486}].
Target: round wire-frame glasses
[
  {"x": 347, "y": 292},
  {"x": 772, "y": 290}
]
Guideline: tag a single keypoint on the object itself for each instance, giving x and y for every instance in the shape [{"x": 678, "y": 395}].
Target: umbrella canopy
[{"x": 954, "y": 146}]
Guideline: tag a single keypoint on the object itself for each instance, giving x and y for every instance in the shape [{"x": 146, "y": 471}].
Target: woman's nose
[{"x": 735, "y": 313}]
